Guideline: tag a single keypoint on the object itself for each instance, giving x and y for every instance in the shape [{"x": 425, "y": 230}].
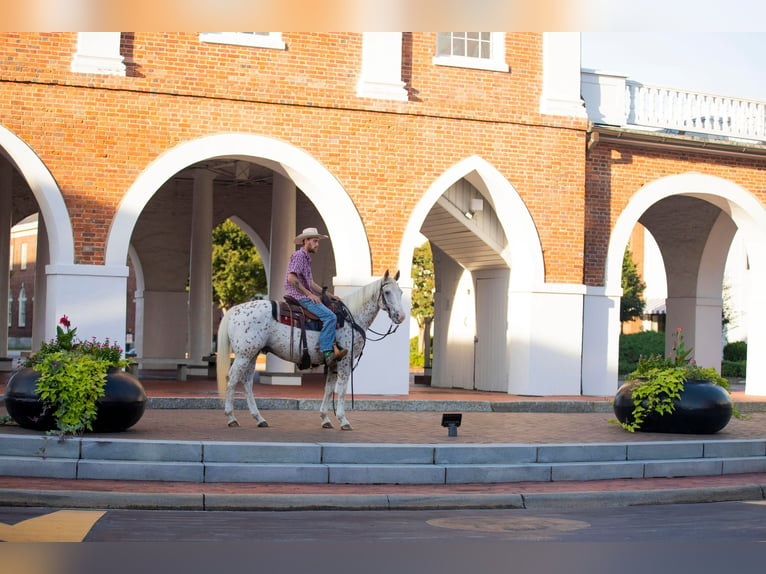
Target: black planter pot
[
  {"x": 121, "y": 407},
  {"x": 703, "y": 408}
]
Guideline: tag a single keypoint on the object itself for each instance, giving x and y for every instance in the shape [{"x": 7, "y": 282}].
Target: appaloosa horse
[{"x": 249, "y": 328}]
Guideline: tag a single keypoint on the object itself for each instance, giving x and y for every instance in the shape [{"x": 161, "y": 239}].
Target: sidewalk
[{"x": 509, "y": 419}]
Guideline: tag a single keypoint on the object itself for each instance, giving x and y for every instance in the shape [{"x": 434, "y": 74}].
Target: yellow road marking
[{"x": 59, "y": 526}]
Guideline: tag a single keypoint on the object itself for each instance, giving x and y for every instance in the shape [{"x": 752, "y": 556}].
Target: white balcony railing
[{"x": 615, "y": 100}]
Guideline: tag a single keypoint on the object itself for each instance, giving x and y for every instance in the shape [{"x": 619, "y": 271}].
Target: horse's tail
[{"x": 223, "y": 360}]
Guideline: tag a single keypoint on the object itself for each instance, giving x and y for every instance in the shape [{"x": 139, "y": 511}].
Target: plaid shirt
[{"x": 300, "y": 264}]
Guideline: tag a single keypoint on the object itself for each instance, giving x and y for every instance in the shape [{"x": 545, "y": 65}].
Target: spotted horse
[{"x": 250, "y": 328}]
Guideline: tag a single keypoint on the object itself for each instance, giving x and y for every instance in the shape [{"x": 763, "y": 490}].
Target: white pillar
[
  {"x": 6, "y": 209},
  {"x": 281, "y": 243},
  {"x": 98, "y": 53},
  {"x": 201, "y": 267},
  {"x": 92, "y": 296},
  {"x": 601, "y": 342},
  {"x": 41, "y": 284},
  {"x": 545, "y": 334},
  {"x": 561, "y": 75},
  {"x": 381, "y": 76}
]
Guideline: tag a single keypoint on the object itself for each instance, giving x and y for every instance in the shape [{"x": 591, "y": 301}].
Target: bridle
[{"x": 385, "y": 305}]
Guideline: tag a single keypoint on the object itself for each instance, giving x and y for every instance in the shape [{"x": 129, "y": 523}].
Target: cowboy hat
[{"x": 308, "y": 233}]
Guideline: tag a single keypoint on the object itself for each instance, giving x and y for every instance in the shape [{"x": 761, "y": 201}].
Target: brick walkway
[{"x": 392, "y": 427}]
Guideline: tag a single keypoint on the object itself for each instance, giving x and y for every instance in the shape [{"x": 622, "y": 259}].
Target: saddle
[{"x": 289, "y": 312}]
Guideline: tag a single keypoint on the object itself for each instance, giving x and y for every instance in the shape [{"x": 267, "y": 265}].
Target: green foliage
[
  {"x": 238, "y": 271},
  {"x": 423, "y": 283},
  {"x": 73, "y": 375},
  {"x": 660, "y": 381},
  {"x": 416, "y": 357},
  {"x": 734, "y": 369},
  {"x": 736, "y": 351},
  {"x": 637, "y": 345},
  {"x": 71, "y": 384},
  {"x": 632, "y": 302}
]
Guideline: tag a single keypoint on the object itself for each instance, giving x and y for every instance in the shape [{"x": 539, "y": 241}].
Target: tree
[
  {"x": 238, "y": 272},
  {"x": 423, "y": 287},
  {"x": 632, "y": 302}
]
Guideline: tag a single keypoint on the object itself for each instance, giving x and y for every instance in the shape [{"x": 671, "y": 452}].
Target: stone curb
[
  {"x": 523, "y": 406},
  {"x": 426, "y": 501}
]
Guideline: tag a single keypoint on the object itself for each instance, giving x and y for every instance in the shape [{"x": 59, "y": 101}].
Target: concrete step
[{"x": 203, "y": 461}]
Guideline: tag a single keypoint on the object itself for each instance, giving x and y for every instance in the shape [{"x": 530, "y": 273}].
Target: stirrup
[{"x": 339, "y": 351}]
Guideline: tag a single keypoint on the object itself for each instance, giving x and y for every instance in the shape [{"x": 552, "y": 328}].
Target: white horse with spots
[{"x": 250, "y": 328}]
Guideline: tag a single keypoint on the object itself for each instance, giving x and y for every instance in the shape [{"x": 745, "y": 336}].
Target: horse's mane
[{"x": 356, "y": 300}]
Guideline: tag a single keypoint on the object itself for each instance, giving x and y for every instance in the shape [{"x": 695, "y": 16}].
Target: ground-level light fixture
[{"x": 452, "y": 421}]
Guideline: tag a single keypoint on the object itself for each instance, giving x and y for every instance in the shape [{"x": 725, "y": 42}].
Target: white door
[{"x": 491, "y": 347}]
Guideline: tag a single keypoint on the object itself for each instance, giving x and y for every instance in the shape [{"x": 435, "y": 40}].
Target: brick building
[{"x": 132, "y": 146}]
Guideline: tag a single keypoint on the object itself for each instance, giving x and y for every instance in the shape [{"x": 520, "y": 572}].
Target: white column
[
  {"x": 72, "y": 291},
  {"x": 561, "y": 75},
  {"x": 6, "y": 209},
  {"x": 604, "y": 96},
  {"x": 381, "y": 76},
  {"x": 41, "y": 284},
  {"x": 601, "y": 342},
  {"x": 281, "y": 243},
  {"x": 201, "y": 267},
  {"x": 545, "y": 334},
  {"x": 98, "y": 53}
]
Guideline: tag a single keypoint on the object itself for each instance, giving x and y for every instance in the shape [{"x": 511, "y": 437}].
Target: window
[
  {"x": 10, "y": 308},
  {"x": 23, "y": 256},
  {"x": 252, "y": 39},
  {"x": 481, "y": 50},
  {"x": 22, "y": 307},
  {"x": 10, "y": 258}
]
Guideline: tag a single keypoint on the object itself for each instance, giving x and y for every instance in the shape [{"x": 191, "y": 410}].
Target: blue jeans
[{"x": 329, "y": 320}]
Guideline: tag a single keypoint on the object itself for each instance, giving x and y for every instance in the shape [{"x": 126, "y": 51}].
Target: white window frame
[
  {"x": 23, "y": 256},
  {"x": 253, "y": 40},
  {"x": 10, "y": 308},
  {"x": 495, "y": 63},
  {"x": 22, "y": 307}
]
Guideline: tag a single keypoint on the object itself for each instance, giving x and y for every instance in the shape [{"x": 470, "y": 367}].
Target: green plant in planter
[
  {"x": 660, "y": 381},
  {"x": 73, "y": 375}
]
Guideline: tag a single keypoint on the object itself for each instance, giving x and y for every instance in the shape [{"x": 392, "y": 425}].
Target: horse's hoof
[
  {"x": 233, "y": 424},
  {"x": 346, "y": 427},
  {"x": 327, "y": 425},
  {"x": 263, "y": 424}
]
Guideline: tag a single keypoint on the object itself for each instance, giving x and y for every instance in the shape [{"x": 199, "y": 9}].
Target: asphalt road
[{"x": 719, "y": 522}]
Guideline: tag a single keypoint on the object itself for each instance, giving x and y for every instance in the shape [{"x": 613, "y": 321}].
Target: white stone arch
[
  {"x": 531, "y": 361},
  {"x": 518, "y": 226},
  {"x": 46, "y": 192},
  {"x": 749, "y": 216},
  {"x": 350, "y": 244}
]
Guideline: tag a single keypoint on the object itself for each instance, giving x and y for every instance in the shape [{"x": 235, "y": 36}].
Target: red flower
[{"x": 65, "y": 321}]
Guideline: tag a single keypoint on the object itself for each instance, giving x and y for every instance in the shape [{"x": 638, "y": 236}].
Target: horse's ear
[
  {"x": 385, "y": 275},
  {"x": 396, "y": 277}
]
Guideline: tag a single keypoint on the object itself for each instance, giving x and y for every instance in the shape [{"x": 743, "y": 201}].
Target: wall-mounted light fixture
[{"x": 477, "y": 204}]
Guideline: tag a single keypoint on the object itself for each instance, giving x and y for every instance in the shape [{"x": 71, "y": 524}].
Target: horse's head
[{"x": 390, "y": 299}]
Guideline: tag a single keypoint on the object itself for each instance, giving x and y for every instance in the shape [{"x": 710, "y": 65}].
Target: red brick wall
[
  {"x": 615, "y": 172},
  {"x": 97, "y": 133}
]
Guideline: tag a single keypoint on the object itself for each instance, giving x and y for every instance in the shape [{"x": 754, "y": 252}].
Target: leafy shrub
[
  {"x": 733, "y": 368},
  {"x": 736, "y": 351},
  {"x": 637, "y": 345},
  {"x": 416, "y": 358}
]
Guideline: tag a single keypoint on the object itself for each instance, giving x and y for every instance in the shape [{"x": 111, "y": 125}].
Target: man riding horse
[{"x": 300, "y": 285}]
